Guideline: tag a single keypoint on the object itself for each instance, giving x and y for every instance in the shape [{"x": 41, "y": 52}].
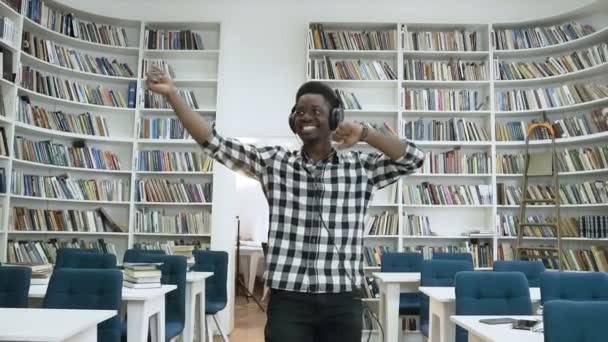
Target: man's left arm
[{"x": 397, "y": 157}]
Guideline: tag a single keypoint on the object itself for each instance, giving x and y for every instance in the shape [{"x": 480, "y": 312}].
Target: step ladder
[{"x": 542, "y": 167}]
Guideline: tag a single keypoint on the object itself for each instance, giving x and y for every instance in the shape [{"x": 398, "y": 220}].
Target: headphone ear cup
[
  {"x": 335, "y": 118},
  {"x": 292, "y": 123}
]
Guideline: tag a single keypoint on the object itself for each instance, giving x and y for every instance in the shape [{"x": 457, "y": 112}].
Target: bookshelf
[
  {"x": 112, "y": 57},
  {"x": 466, "y": 72}
]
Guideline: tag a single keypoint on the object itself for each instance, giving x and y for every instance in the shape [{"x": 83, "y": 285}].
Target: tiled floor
[{"x": 249, "y": 322}]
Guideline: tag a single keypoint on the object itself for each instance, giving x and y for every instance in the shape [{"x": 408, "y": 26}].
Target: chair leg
[
  {"x": 208, "y": 328},
  {"x": 224, "y": 337}
]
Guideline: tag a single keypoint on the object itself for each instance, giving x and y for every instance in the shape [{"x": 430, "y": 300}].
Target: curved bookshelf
[
  {"x": 588, "y": 72},
  {"x": 41, "y": 97},
  {"x": 48, "y": 199},
  {"x": 184, "y": 235},
  {"x": 23, "y": 127},
  {"x": 575, "y": 107},
  {"x": 569, "y": 173},
  {"x": 68, "y": 168},
  {"x": 51, "y": 68},
  {"x": 572, "y": 140},
  {"x": 447, "y": 84},
  {"x": 53, "y": 232}
]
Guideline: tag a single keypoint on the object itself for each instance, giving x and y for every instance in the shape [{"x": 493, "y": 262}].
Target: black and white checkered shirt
[{"x": 307, "y": 200}]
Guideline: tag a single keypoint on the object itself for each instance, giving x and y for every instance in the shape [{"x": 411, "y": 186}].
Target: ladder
[{"x": 542, "y": 168}]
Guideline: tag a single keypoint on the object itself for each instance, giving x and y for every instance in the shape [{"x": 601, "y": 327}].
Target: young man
[{"x": 317, "y": 198}]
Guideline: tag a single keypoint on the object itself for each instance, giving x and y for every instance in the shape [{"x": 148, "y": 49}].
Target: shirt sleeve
[
  {"x": 383, "y": 171},
  {"x": 238, "y": 156}
]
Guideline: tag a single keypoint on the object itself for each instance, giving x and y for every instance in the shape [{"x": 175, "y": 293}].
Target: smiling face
[{"x": 312, "y": 118}]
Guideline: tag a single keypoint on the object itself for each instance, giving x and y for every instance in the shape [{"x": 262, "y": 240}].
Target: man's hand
[
  {"x": 159, "y": 82},
  {"x": 347, "y": 134}
]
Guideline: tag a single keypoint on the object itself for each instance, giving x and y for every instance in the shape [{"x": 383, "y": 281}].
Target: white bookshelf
[
  {"x": 196, "y": 70},
  {"x": 379, "y": 99}
]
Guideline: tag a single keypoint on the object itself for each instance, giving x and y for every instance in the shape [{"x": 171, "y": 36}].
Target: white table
[
  {"x": 442, "y": 306},
  {"x": 391, "y": 285},
  {"x": 480, "y": 332},
  {"x": 195, "y": 287},
  {"x": 143, "y": 306},
  {"x": 255, "y": 253},
  {"x": 51, "y": 325}
]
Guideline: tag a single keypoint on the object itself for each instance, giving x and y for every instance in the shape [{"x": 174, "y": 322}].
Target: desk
[
  {"x": 479, "y": 332},
  {"x": 442, "y": 306},
  {"x": 142, "y": 305},
  {"x": 51, "y": 325},
  {"x": 390, "y": 284},
  {"x": 195, "y": 287},
  {"x": 254, "y": 253}
]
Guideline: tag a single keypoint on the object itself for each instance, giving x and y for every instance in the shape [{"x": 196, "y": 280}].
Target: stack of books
[
  {"x": 184, "y": 250},
  {"x": 141, "y": 275},
  {"x": 41, "y": 273}
]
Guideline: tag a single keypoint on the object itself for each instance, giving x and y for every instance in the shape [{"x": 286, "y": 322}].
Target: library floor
[{"x": 249, "y": 322}]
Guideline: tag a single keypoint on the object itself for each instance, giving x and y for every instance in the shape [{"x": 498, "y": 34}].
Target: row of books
[
  {"x": 45, "y": 252},
  {"x": 158, "y": 39},
  {"x": 158, "y": 221},
  {"x": 329, "y": 68},
  {"x": 445, "y": 71},
  {"x": 373, "y": 255},
  {"x": 569, "y": 160},
  {"x": 456, "y": 40},
  {"x": 481, "y": 252},
  {"x": 82, "y": 123},
  {"x": 157, "y": 101},
  {"x": 552, "y": 66},
  {"x": 593, "y": 259},
  {"x": 157, "y": 160},
  {"x": 444, "y": 194},
  {"x": 66, "y": 57},
  {"x": 8, "y": 30},
  {"x": 536, "y": 37},
  {"x": 62, "y": 220},
  {"x": 318, "y": 38},
  {"x": 386, "y": 223},
  {"x": 162, "y": 128},
  {"x": 69, "y": 25},
  {"x": 383, "y": 128},
  {"x": 543, "y": 98},
  {"x": 4, "y": 151},
  {"x": 453, "y": 129},
  {"x": 594, "y": 192},
  {"x": 508, "y": 225},
  {"x": 170, "y": 246},
  {"x": 79, "y": 155},
  {"x": 349, "y": 99},
  {"x": 51, "y": 85},
  {"x": 443, "y": 99},
  {"x": 163, "y": 190},
  {"x": 456, "y": 161},
  {"x": 148, "y": 63},
  {"x": 63, "y": 187},
  {"x": 2, "y": 184},
  {"x": 416, "y": 225}
]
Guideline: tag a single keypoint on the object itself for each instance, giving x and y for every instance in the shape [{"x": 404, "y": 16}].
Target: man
[{"x": 317, "y": 200}]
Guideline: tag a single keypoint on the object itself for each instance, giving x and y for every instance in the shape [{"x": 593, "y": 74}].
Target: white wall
[{"x": 263, "y": 53}]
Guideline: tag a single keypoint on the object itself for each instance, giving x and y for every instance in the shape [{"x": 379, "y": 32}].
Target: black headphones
[{"x": 336, "y": 115}]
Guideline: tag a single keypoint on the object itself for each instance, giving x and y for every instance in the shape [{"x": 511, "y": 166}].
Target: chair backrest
[
  {"x": 173, "y": 272},
  {"x": 569, "y": 321},
  {"x": 453, "y": 256},
  {"x": 575, "y": 286},
  {"x": 95, "y": 289},
  {"x": 438, "y": 273},
  {"x": 491, "y": 293},
  {"x": 215, "y": 286},
  {"x": 133, "y": 254},
  {"x": 77, "y": 258},
  {"x": 531, "y": 269},
  {"x": 14, "y": 286},
  {"x": 401, "y": 262}
]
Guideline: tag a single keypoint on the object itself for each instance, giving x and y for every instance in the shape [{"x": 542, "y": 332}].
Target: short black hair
[{"x": 316, "y": 87}]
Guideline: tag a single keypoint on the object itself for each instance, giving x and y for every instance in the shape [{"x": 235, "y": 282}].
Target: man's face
[{"x": 312, "y": 118}]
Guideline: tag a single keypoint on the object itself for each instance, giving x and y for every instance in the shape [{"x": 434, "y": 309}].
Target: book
[{"x": 141, "y": 286}]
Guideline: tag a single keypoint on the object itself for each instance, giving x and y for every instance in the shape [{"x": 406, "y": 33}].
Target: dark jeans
[{"x": 310, "y": 317}]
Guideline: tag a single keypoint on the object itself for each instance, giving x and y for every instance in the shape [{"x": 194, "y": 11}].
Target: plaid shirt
[{"x": 308, "y": 199}]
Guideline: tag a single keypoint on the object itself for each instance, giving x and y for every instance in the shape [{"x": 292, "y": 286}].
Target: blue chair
[
  {"x": 133, "y": 255},
  {"x": 409, "y": 303},
  {"x": 83, "y": 258},
  {"x": 569, "y": 321},
  {"x": 491, "y": 293},
  {"x": 14, "y": 286},
  {"x": 531, "y": 269},
  {"x": 453, "y": 256},
  {"x": 216, "y": 293},
  {"x": 574, "y": 286},
  {"x": 437, "y": 273},
  {"x": 173, "y": 272},
  {"x": 93, "y": 289}
]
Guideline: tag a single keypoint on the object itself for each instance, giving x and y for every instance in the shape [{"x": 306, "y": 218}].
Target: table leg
[
  {"x": 391, "y": 312},
  {"x": 200, "y": 317},
  {"x": 447, "y": 327},
  {"x": 188, "y": 334},
  {"x": 89, "y": 335},
  {"x": 137, "y": 321}
]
